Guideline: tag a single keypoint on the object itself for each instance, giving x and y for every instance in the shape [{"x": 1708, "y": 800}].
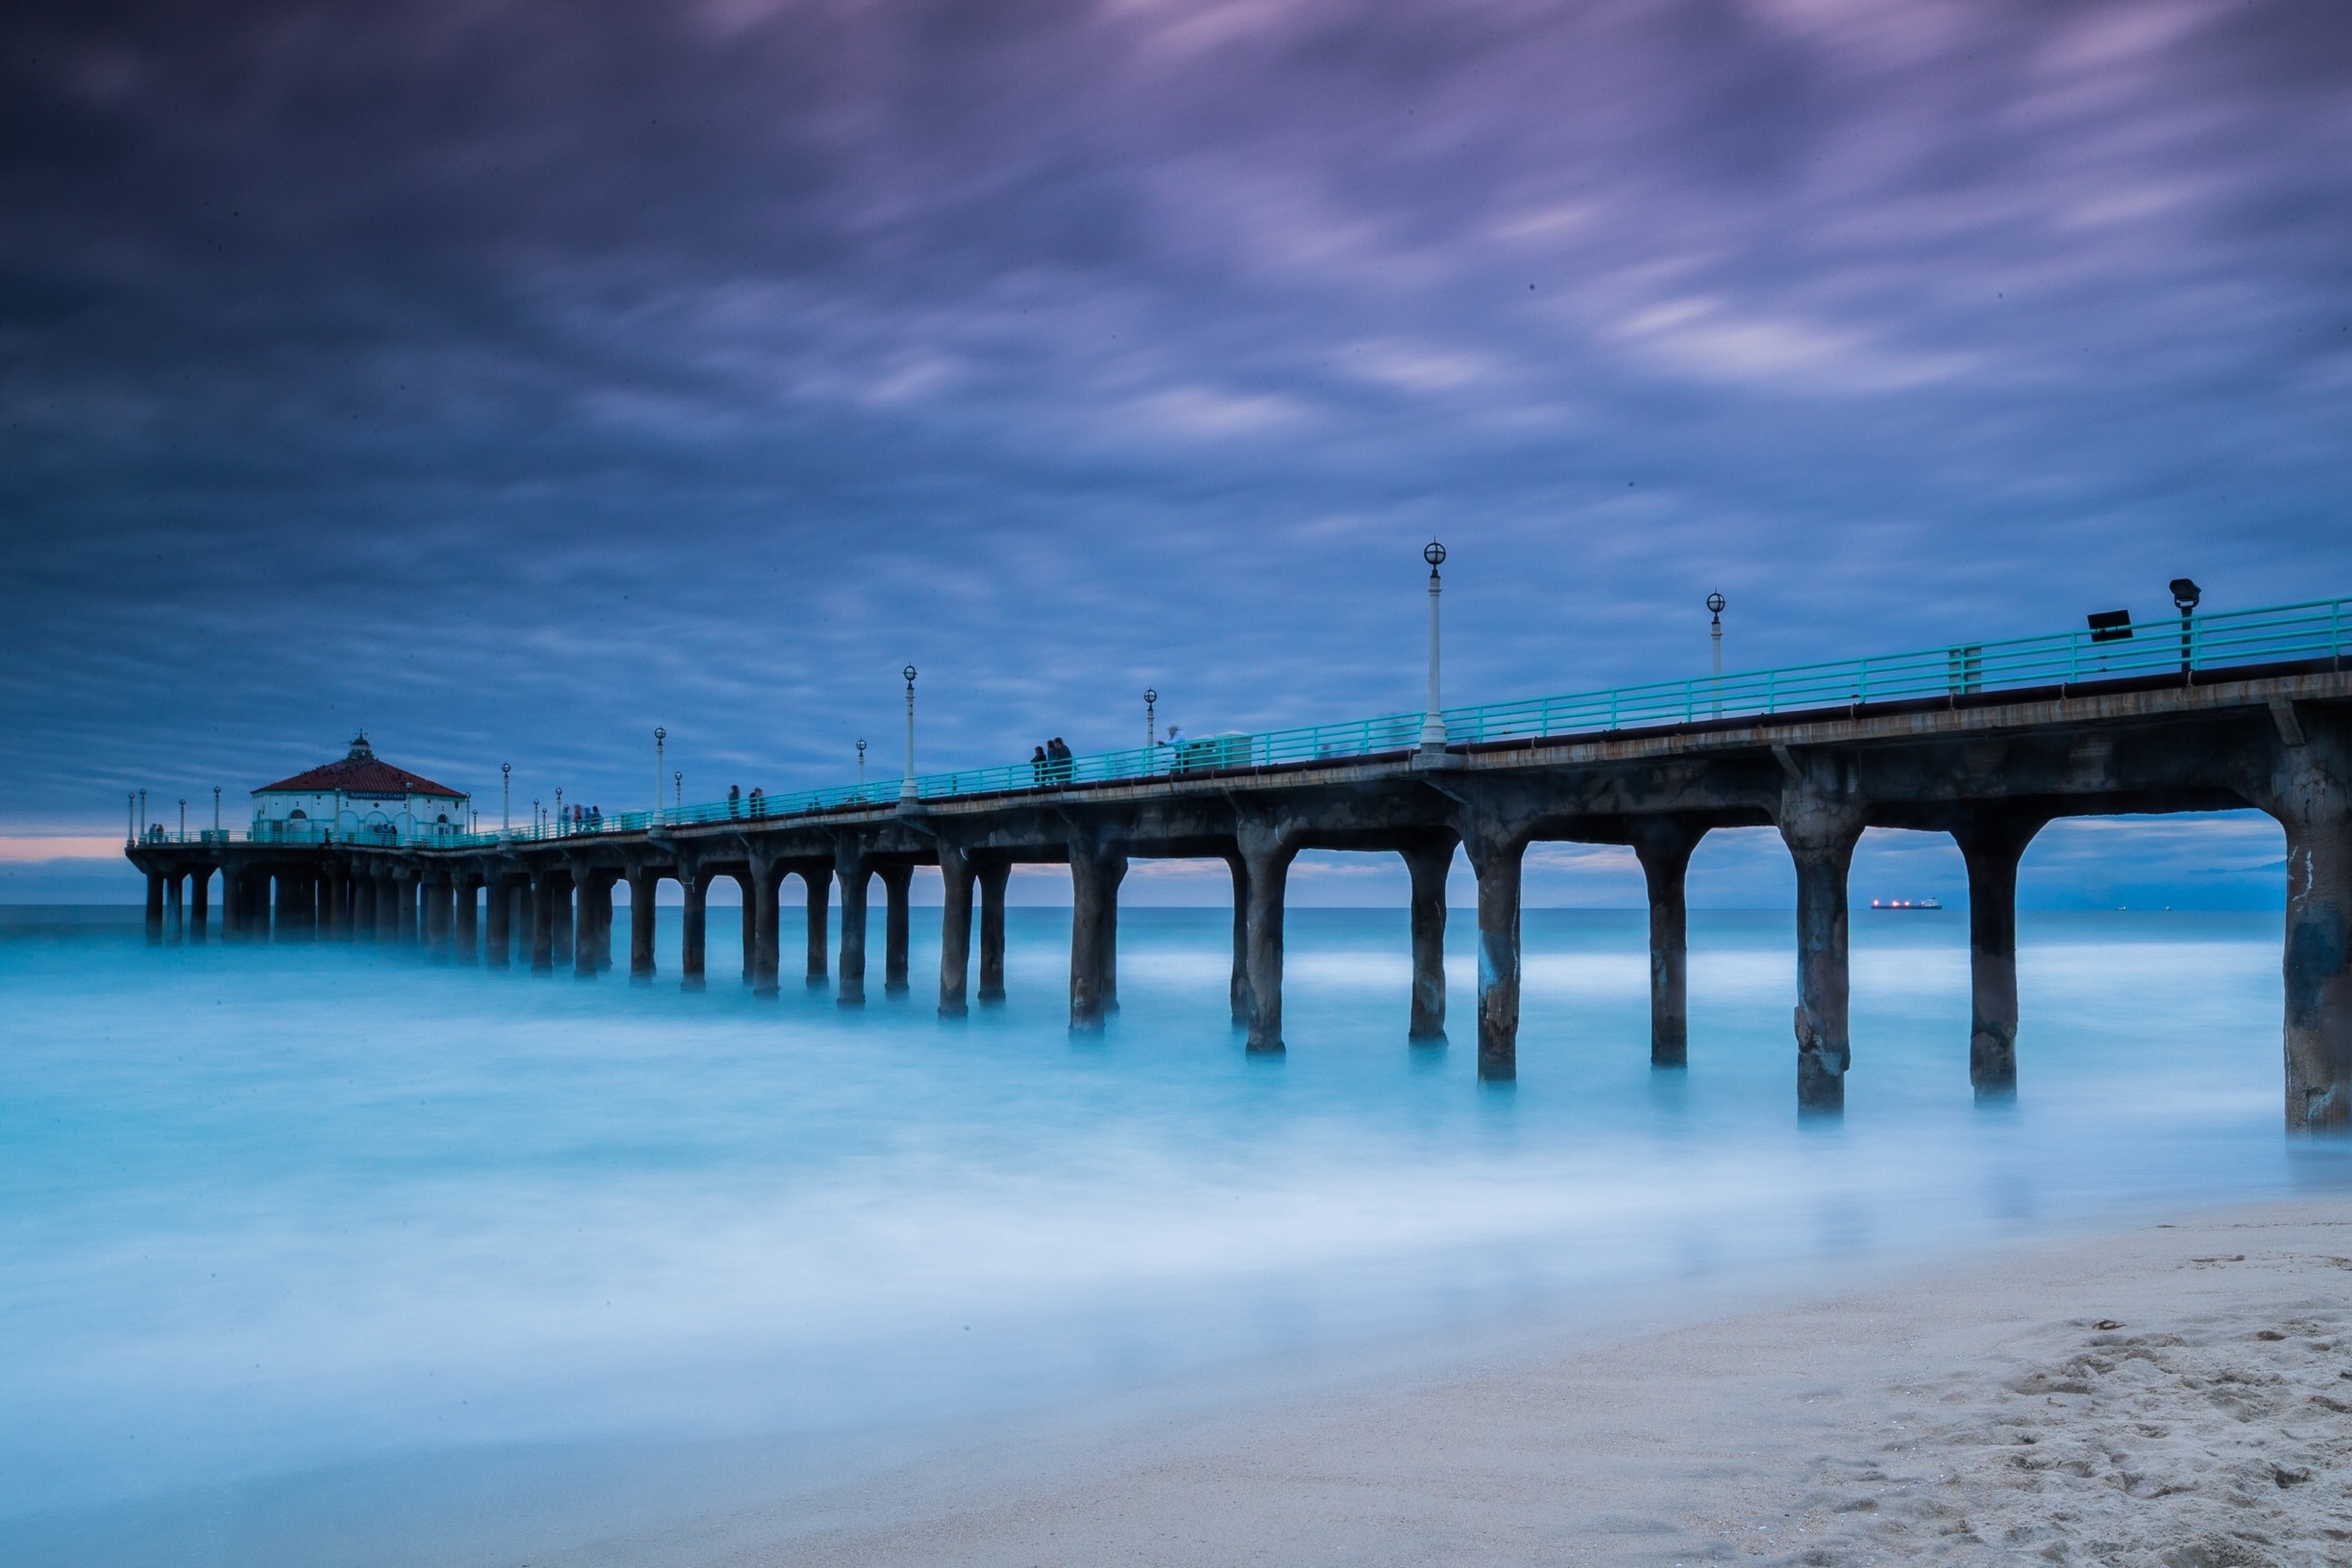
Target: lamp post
[
  {"x": 131, "y": 818},
  {"x": 1715, "y": 603},
  {"x": 679, "y": 780},
  {"x": 142, "y": 812},
  {"x": 1432, "y": 720},
  {"x": 2185, "y": 597},
  {"x": 184, "y": 819},
  {"x": 505, "y": 798},
  {"x": 1151, "y": 697},
  {"x": 559, "y": 819},
  {"x": 861, "y": 770},
  {"x": 660, "y": 735},
  {"x": 216, "y": 808},
  {"x": 906, "y": 786}
]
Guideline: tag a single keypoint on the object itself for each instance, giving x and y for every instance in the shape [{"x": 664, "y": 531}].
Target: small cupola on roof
[{"x": 360, "y": 798}]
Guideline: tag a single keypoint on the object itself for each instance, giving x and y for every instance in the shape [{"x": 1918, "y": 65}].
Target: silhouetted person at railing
[
  {"x": 1175, "y": 743},
  {"x": 734, "y": 801},
  {"x": 1058, "y": 760},
  {"x": 1037, "y": 766},
  {"x": 759, "y": 802}
]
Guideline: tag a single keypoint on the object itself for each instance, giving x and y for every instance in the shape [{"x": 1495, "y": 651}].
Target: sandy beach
[{"x": 2178, "y": 1394}]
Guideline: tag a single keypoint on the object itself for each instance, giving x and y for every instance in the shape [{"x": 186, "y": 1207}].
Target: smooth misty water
[{"x": 268, "y": 1209}]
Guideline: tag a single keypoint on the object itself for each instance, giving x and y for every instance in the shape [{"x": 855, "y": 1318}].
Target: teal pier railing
[{"x": 2166, "y": 646}]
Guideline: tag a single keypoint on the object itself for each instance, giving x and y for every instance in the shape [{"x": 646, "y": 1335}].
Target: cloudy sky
[{"x": 508, "y": 376}]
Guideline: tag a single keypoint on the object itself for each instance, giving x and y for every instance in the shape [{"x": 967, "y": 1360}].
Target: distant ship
[{"x": 1906, "y": 904}]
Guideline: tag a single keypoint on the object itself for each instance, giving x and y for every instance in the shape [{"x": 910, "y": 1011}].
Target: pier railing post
[
  {"x": 1663, "y": 846},
  {"x": 955, "y": 930},
  {"x": 851, "y": 872},
  {"x": 1992, "y": 841},
  {"x": 1820, "y": 819},
  {"x": 1267, "y": 849},
  {"x": 2310, "y": 793},
  {"x": 1429, "y": 866},
  {"x": 993, "y": 875}
]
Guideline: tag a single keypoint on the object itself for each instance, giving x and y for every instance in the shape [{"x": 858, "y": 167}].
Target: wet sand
[{"x": 2179, "y": 1394}]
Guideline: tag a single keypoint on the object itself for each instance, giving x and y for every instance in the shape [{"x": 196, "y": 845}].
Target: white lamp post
[
  {"x": 660, "y": 735},
  {"x": 1715, "y": 604},
  {"x": 216, "y": 808},
  {"x": 505, "y": 798},
  {"x": 861, "y": 770},
  {"x": 1432, "y": 720},
  {"x": 906, "y": 786},
  {"x": 1151, "y": 697}
]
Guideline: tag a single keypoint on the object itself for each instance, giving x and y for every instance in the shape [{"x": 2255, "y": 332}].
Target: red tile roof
[{"x": 360, "y": 773}]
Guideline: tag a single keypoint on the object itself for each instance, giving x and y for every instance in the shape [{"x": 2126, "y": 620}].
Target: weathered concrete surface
[
  {"x": 1663, "y": 846},
  {"x": 1979, "y": 767},
  {"x": 1991, "y": 841},
  {"x": 1427, "y": 864}
]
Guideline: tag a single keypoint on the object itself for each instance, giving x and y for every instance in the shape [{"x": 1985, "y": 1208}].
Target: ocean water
[{"x": 274, "y": 1212}]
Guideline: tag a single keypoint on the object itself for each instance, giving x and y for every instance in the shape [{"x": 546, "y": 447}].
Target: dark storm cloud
[{"x": 510, "y": 377}]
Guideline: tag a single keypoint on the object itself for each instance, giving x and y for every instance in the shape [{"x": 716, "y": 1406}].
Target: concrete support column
[
  {"x": 1821, "y": 821},
  {"x": 232, "y": 889},
  {"x": 643, "y": 880},
  {"x": 436, "y": 915},
  {"x": 764, "y": 915},
  {"x": 468, "y": 937},
  {"x": 1267, "y": 854},
  {"x": 155, "y": 907},
  {"x": 546, "y": 890},
  {"x": 560, "y": 916},
  {"x": 992, "y": 876},
  {"x": 592, "y": 942},
  {"x": 850, "y": 870},
  {"x": 955, "y": 931},
  {"x": 896, "y": 883},
  {"x": 693, "y": 945},
  {"x": 411, "y": 887},
  {"x": 819, "y": 882},
  {"x": 1238, "y": 985},
  {"x": 1430, "y": 865},
  {"x": 747, "y": 924},
  {"x": 1095, "y": 873},
  {"x": 2311, "y": 798},
  {"x": 1992, "y": 841},
  {"x": 498, "y": 894},
  {"x": 1496, "y": 856},
  {"x": 1663, "y": 846},
  {"x": 200, "y": 908},
  {"x": 174, "y": 921}
]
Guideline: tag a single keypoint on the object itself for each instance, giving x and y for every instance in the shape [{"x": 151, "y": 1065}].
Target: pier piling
[{"x": 1663, "y": 846}]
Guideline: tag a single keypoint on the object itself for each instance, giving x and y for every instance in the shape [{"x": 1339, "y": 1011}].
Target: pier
[{"x": 1988, "y": 742}]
